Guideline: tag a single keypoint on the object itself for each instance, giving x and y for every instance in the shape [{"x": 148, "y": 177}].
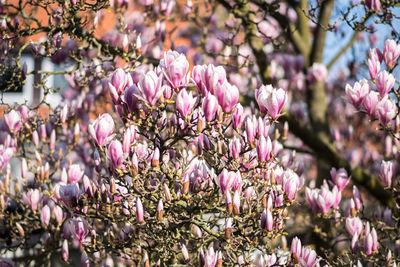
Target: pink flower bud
[
  {"x": 391, "y": 51},
  {"x": 116, "y": 154},
  {"x": 295, "y": 248},
  {"x": 58, "y": 213},
  {"x": 24, "y": 168},
  {"x": 139, "y": 210},
  {"x": 235, "y": 147},
  {"x": 269, "y": 221},
  {"x": 13, "y": 121},
  {"x": 65, "y": 251},
  {"x": 357, "y": 198},
  {"x": 368, "y": 243},
  {"x": 210, "y": 105},
  {"x": 250, "y": 130},
  {"x": 290, "y": 188},
  {"x": 102, "y": 128},
  {"x": 35, "y": 138},
  {"x": 64, "y": 113},
  {"x": 45, "y": 215},
  {"x": 185, "y": 102},
  {"x": 384, "y": 82},
  {"x": 185, "y": 253},
  {"x": 237, "y": 116},
  {"x": 264, "y": 148},
  {"x": 127, "y": 141},
  {"x": 354, "y": 244},
  {"x": 374, "y": 63},
  {"x": 210, "y": 258},
  {"x": 340, "y": 178},
  {"x": 227, "y": 95},
  {"x": 53, "y": 140},
  {"x": 387, "y": 172}
]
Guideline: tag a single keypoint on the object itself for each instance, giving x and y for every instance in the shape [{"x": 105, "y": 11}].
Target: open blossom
[
  {"x": 370, "y": 102},
  {"x": 75, "y": 173},
  {"x": 13, "y": 121},
  {"x": 262, "y": 94},
  {"x": 358, "y": 92},
  {"x": 102, "y": 128}
]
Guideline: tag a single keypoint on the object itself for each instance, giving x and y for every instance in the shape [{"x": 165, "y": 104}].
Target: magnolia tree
[{"x": 240, "y": 146}]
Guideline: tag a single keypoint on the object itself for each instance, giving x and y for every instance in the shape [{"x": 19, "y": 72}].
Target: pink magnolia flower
[
  {"x": 262, "y": 94},
  {"x": 384, "y": 83},
  {"x": 210, "y": 258},
  {"x": 116, "y": 154},
  {"x": 391, "y": 51},
  {"x": 386, "y": 110},
  {"x": 210, "y": 106},
  {"x": 237, "y": 116},
  {"x": 264, "y": 148},
  {"x": 358, "y": 92},
  {"x": 75, "y": 173},
  {"x": 102, "y": 128},
  {"x": 354, "y": 226},
  {"x": 276, "y": 102},
  {"x": 139, "y": 210},
  {"x": 340, "y": 178},
  {"x": 227, "y": 95},
  {"x": 64, "y": 250},
  {"x": 13, "y": 121},
  {"x": 185, "y": 102},
  {"x": 119, "y": 80},
  {"x": 150, "y": 84},
  {"x": 374, "y": 62},
  {"x": 79, "y": 228},
  {"x": 370, "y": 102},
  {"x": 32, "y": 198},
  {"x": 176, "y": 67},
  {"x": 387, "y": 172},
  {"x": 45, "y": 215}
]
